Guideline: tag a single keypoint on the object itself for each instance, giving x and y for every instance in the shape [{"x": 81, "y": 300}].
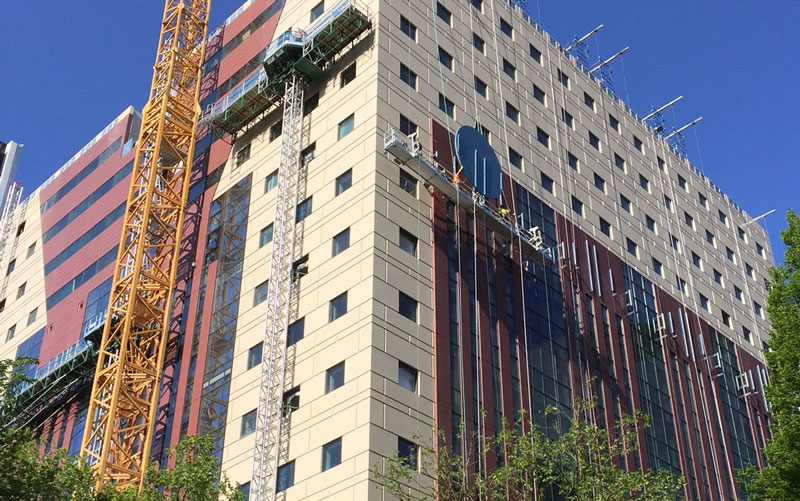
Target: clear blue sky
[{"x": 69, "y": 68}]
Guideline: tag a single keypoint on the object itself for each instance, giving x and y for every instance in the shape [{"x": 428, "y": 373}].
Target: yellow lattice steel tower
[{"x": 124, "y": 396}]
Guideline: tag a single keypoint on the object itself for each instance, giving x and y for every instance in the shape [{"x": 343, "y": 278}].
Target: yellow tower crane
[{"x": 124, "y": 398}]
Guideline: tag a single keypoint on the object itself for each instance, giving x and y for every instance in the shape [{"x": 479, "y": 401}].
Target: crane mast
[{"x": 124, "y": 396}]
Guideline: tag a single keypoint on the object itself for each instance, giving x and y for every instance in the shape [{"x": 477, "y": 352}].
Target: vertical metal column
[{"x": 270, "y": 450}]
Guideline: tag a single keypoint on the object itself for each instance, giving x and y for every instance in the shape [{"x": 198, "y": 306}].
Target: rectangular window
[
  {"x": 658, "y": 267},
  {"x": 243, "y": 154},
  {"x": 343, "y": 182},
  {"x": 509, "y": 69},
  {"x": 567, "y": 118},
  {"x": 408, "y": 76},
  {"x": 599, "y": 183},
  {"x": 535, "y": 53},
  {"x": 577, "y": 206},
  {"x": 547, "y": 182},
  {"x": 572, "y": 160},
  {"x": 651, "y": 223},
  {"x": 21, "y": 290},
  {"x": 408, "y": 453},
  {"x": 478, "y": 43},
  {"x": 619, "y": 162},
  {"x": 254, "y": 355},
  {"x": 248, "y": 424},
  {"x": 11, "y": 265},
  {"x": 756, "y": 308},
  {"x": 407, "y": 127},
  {"x": 408, "y": 182},
  {"x": 588, "y": 101},
  {"x": 543, "y": 137},
  {"x": 632, "y": 247},
  {"x": 295, "y": 331},
  {"x": 702, "y": 200},
  {"x": 746, "y": 334},
  {"x": 347, "y": 75},
  {"x": 730, "y": 255},
  {"x": 346, "y": 126},
  {"x": 408, "y": 242},
  {"x": 275, "y": 130},
  {"x": 444, "y": 14},
  {"x": 408, "y": 28},
  {"x": 644, "y": 183},
  {"x": 32, "y": 316},
  {"x": 31, "y": 250},
  {"x": 718, "y": 277},
  {"x": 311, "y": 103},
  {"x": 303, "y": 210},
  {"x": 613, "y": 122},
  {"x": 697, "y": 261},
  {"x": 512, "y": 112},
  {"x": 260, "y": 293},
  {"x": 446, "y": 59},
  {"x": 340, "y": 242},
  {"x": 446, "y": 105},
  {"x": 285, "y": 477},
  {"x": 759, "y": 249},
  {"x": 265, "y": 236},
  {"x": 506, "y": 28},
  {"x": 689, "y": 220},
  {"x": 563, "y": 78},
  {"x": 11, "y": 331},
  {"x": 514, "y": 158},
  {"x": 661, "y": 163},
  {"x": 681, "y": 284},
  {"x": 747, "y": 268},
  {"x": 681, "y": 181},
  {"x": 337, "y": 307},
  {"x": 407, "y": 306},
  {"x": 334, "y": 377},
  {"x": 703, "y": 302},
  {"x": 637, "y": 143},
  {"x": 407, "y": 377},
  {"x": 668, "y": 203},
  {"x": 317, "y": 11},
  {"x": 291, "y": 402},
  {"x": 726, "y": 318},
  {"x": 332, "y": 454},
  {"x": 675, "y": 243},
  {"x": 737, "y": 292},
  {"x": 538, "y": 94},
  {"x": 307, "y": 154},
  {"x": 723, "y": 218},
  {"x": 594, "y": 141},
  {"x": 605, "y": 227},
  {"x": 625, "y": 203},
  {"x": 742, "y": 234},
  {"x": 480, "y": 87},
  {"x": 271, "y": 181}
]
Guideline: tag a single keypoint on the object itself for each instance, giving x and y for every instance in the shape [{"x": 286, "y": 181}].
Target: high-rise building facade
[
  {"x": 417, "y": 303},
  {"x": 9, "y": 159}
]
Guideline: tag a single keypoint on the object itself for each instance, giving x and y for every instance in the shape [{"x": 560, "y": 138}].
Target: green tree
[
  {"x": 780, "y": 480},
  {"x": 582, "y": 463}
]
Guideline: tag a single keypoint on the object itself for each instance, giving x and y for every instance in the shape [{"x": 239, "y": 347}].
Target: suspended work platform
[
  {"x": 308, "y": 52},
  {"x": 407, "y": 151}
]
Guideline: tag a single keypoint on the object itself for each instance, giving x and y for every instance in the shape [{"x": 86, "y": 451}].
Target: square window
[
  {"x": 478, "y": 43},
  {"x": 347, "y": 75},
  {"x": 265, "y": 236},
  {"x": 514, "y": 158},
  {"x": 577, "y": 206},
  {"x": 407, "y": 377},
  {"x": 605, "y": 227},
  {"x": 547, "y": 182},
  {"x": 408, "y": 242},
  {"x": 658, "y": 267},
  {"x": 271, "y": 181},
  {"x": 254, "y": 355},
  {"x": 408, "y": 182},
  {"x": 346, "y": 126},
  {"x": 444, "y": 14},
  {"x": 619, "y": 162},
  {"x": 599, "y": 183},
  {"x": 637, "y": 143},
  {"x": 689, "y": 220},
  {"x": 588, "y": 101},
  {"x": 248, "y": 424},
  {"x": 538, "y": 94},
  {"x": 704, "y": 302},
  {"x": 340, "y": 242},
  {"x": 407, "y": 127},
  {"x": 632, "y": 247},
  {"x": 506, "y": 28},
  {"x": 625, "y": 203},
  {"x": 332, "y": 454},
  {"x": 408, "y": 453},
  {"x": 275, "y": 131},
  {"x": 572, "y": 160},
  {"x": 260, "y": 293},
  {"x": 644, "y": 183},
  {"x": 343, "y": 182},
  {"x": 543, "y": 137},
  {"x": 285, "y": 477},
  {"x": 535, "y": 53},
  {"x": 651, "y": 223},
  {"x": 337, "y": 307},
  {"x": 446, "y": 105},
  {"x": 295, "y": 331},
  {"x": 594, "y": 141},
  {"x": 32, "y": 316},
  {"x": 613, "y": 122},
  {"x": 317, "y": 11},
  {"x": 334, "y": 377},
  {"x": 303, "y": 210},
  {"x": 407, "y": 306},
  {"x": 243, "y": 154},
  {"x": 480, "y": 86},
  {"x": 567, "y": 118},
  {"x": 408, "y": 28},
  {"x": 509, "y": 69},
  {"x": 512, "y": 112},
  {"x": 563, "y": 78},
  {"x": 408, "y": 76},
  {"x": 681, "y": 181},
  {"x": 446, "y": 59},
  {"x": 21, "y": 290}
]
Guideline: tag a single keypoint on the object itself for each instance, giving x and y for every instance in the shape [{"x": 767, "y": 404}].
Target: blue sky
[{"x": 69, "y": 68}]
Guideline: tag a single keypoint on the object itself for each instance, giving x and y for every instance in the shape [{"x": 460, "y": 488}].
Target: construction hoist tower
[{"x": 123, "y": 400}]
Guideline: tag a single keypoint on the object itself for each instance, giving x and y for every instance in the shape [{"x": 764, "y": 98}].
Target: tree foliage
[
  {"x": 780, "y": 480},
  {"x": 582, "y": 463}
]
